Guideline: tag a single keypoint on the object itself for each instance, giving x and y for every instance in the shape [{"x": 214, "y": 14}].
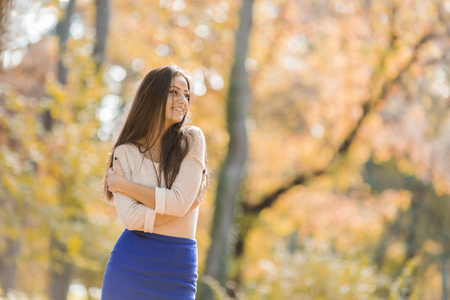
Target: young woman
[{"x": 157, "y": 177}]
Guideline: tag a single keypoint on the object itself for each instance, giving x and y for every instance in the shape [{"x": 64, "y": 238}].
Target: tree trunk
[
  {"x": 233, "y": 167},
  {"x": 444, "y": 277},
  {"x": 412, "y": 243},
  {"x": 63, "y": 32},
  {"x": 8, "y": 264},
  {"x": 5, "y": 6},
  {"x": 101, "y": 25},
  {"x": 61, "y": 270},
  {"x": 61, "y": 267}
]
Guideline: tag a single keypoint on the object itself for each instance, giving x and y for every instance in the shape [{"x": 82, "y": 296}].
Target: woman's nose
[{"x": 182, "y": 100}]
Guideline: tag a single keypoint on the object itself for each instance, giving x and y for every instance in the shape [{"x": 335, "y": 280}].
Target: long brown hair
[{"x": 146, "y": 119}]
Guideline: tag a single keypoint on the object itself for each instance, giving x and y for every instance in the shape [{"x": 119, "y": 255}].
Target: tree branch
[{"x": 367, "y": 107}]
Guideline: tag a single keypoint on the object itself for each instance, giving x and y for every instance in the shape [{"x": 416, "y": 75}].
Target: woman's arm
[
  {"x": 181, "y": 197},
  {"x": 117, "y": 183},
  {"x": 133, "y": 214}
]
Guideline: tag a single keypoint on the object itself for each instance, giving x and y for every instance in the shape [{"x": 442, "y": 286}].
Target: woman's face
[{"x": 177, "y": 101}]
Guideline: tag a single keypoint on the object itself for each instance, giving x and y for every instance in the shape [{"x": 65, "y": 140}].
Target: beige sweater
[{"x": 176, "y": 209}]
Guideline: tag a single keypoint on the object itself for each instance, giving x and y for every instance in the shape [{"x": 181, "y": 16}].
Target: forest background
[{"x": 327, "y": 130}]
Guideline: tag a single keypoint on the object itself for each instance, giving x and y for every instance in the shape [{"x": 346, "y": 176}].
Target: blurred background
[{"x": 327, "y": 126}]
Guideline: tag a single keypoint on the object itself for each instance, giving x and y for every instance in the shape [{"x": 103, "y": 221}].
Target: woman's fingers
[
  {"x": 113, "y": 175},
  {"x": 109, "y": 176}
]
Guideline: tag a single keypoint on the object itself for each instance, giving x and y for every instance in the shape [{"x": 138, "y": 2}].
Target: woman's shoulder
[
  {"x": 196, "y": 132},
  {"x": 128, "y": 149},
  {"x": 197, "y": 144},
  {"x": 123, "y": 147}
]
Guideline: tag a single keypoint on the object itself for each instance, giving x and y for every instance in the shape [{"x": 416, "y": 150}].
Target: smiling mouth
[{"x": 178, "y": 110}]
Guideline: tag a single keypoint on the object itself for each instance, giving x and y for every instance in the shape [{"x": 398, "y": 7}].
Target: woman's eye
[
  {"x": 173, "y": 92},
  {"x": 187, "y": 96}
]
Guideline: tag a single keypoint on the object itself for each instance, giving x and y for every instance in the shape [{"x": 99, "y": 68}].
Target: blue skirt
[{"x": 151, "y": 266}]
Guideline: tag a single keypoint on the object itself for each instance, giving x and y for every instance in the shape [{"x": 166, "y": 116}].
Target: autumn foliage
[{"x": 346, "y": 184}]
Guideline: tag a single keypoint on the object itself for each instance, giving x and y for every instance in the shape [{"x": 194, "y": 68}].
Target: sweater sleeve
[
  {"x": 133, "y": 214},
  {"x": 180, "y": 198}
]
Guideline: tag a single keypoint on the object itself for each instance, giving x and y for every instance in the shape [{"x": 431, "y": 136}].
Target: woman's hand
[{"x": 115, "y": 178}]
